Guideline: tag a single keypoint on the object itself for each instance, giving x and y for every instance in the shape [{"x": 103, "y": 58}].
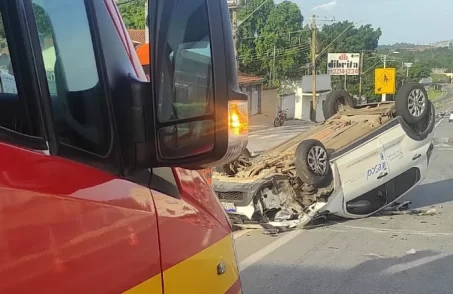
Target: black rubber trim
[{"x": 26, "y": 141}]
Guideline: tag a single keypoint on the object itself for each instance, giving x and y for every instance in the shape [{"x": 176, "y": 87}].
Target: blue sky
[{"x": 413, "y": 21}]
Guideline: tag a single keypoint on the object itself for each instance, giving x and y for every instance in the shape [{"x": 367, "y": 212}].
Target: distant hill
[
  {"x": 396, "y": 46},
  {"x": 445, "y": 43},
  {"x": 414, "y": 47}
]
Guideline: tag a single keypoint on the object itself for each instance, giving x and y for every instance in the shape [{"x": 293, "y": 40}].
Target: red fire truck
[{"x": 98, "y": 185}]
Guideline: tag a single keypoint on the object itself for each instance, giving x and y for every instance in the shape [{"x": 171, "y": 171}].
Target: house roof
[
  {"x": 137, "y": 36},
  {"x": 244, "y": 78}
]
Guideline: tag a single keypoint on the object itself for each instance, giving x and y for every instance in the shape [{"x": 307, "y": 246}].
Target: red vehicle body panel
[
  {"x": 66, "y": 227},
  {"x": 69, "y": 228}
]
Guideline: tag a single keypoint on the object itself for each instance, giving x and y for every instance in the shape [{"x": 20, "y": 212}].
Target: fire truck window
[
  {"x": 11, "y": 112},
  {"x": 186, "y": 84},
  {"x": 78, "y": 99}
]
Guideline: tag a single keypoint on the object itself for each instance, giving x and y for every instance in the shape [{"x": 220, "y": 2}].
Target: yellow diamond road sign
[{"x": 384, "y": 81}]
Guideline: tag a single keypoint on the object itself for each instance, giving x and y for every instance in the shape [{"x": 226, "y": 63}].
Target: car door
[
  {"x": 362, "y": 169},
  {"x": 68, "y": 224},
  {"x": 197, "y": 247},
  {"x": 403, "y": 154}
]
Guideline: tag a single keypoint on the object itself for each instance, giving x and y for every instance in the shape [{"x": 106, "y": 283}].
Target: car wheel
[
  {"x": 312, "y": 162},
  {"x": 333, "y": 101},
  {"x": 411, "y": 102},
  {"x": 429, "y": 122}
]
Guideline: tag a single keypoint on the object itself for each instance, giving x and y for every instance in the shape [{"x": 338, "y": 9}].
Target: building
[
  {"x": 300, "y": 97},
  {"x": 137, "y": 36},
  {"x": 253, "y": 87}
]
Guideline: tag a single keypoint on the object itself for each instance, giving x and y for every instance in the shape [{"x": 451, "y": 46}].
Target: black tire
[
  {"x": 276, "y": 122},
  {"x": 429, "y": 122},
  {"x": 304, "y": 163},
  {"x": 404, "y": 98},
  {"x": 334, "y": 99}
]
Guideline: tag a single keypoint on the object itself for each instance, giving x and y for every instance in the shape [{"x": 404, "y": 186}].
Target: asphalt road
[
  {"x": 267, "y": 137},
  {"x": 385, "y": 254}
]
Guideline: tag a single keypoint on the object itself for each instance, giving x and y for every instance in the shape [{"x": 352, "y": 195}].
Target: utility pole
[
  {"x": 314, "y": 56},
  {"x": 384, "y": 96},
  {"x": 313, "y": 68},
  {"x": 361, "y": 74},
  {"x": 273, "y": 70}
]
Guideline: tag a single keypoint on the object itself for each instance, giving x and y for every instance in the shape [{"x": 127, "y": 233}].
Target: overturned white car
[{"x": 359, "y": 161}]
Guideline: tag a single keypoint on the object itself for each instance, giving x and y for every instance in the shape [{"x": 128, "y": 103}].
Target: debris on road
[
  {"x": 403, "y": 209},
  {"x": 412, "y": 251}
]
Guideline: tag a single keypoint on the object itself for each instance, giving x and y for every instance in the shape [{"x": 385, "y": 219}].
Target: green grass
[{"x": 434, "y": 94}]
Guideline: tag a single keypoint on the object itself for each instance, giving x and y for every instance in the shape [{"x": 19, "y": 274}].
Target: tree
[
  {"x": 43, "y": 21},
  {"x": 2, "y": 28},
  {"x": 345, "y": 37},
  {"x": 419, "y": 71},
  {"x": 248, "y": 32},
  {"x": 133, "y": 14},
  {"x": 271, "y": 42}
]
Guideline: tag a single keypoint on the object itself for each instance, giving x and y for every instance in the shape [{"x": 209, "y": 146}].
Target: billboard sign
[{"x": 343, "y": 64}]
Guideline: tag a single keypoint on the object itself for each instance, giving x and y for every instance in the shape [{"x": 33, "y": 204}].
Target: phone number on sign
[{"x": 343, "y": 71}]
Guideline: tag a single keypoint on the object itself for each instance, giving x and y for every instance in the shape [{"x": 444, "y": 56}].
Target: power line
[
  {"x": 280, "y": 34},
  {"x": 283, "y": 52},
  {"x": 317, "y": 5},
  {"x": 344, "y": 31}
]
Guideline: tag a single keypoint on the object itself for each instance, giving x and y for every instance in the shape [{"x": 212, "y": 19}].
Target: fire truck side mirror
[{"x": 197, "y": 116}]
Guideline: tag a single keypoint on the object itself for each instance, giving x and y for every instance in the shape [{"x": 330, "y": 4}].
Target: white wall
[
  {"x": 287, "y": 103},
  {"x": 269, "y": 102},
  {"x": 294, "y": 86},
  {"x": 306, "y": 106},
  {"x": 304, "y": 96}
]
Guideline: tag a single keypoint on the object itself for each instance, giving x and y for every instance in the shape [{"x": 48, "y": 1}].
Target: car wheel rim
[
  {"x": 317, "y": 160},
  {"x": 416, "y": 103}
]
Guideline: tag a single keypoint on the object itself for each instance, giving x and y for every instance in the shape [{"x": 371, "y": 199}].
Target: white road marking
[
  {"x": 257, "y": 256},
  {"x": 413, "y": 264},
  {"x": 269, "y": 136}
]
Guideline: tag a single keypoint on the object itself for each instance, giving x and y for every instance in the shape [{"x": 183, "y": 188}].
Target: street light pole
[
  {"x": 313, "y": 71},
  {"x": 384, "y": 96}
]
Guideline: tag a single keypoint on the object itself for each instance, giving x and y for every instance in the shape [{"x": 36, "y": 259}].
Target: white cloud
[{"x": 326, "y": 6}]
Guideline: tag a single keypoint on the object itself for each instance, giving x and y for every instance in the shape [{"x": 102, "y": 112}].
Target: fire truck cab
[{"x": 98, "y": 188}]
